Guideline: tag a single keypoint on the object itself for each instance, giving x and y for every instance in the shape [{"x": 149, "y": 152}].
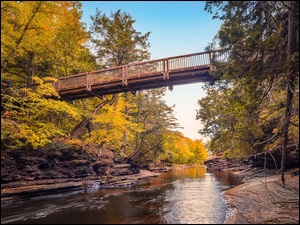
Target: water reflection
[
  {"x": 186, "y": 172},
  {"x": 194, "y": 199},
  {"x": 226, "y": 178},
  {"x": 182, "y": 195}
]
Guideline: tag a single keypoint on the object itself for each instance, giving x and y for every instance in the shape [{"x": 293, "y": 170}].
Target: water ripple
[{"x": 179, "y": 196}]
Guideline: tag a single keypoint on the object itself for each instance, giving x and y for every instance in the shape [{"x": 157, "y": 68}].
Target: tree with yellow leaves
[
  {"x": 34, "y": 118},
  {"x": 42, "y": 38}
]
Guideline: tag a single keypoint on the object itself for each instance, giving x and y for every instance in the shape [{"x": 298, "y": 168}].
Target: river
[{"x": 187, "y": 195}]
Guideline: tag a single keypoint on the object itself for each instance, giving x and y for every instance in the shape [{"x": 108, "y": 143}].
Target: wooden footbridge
[{"x": 166, "y": 72}]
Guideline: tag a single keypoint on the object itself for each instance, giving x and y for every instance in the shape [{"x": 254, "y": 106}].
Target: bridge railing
[
  {"x": 191, "y": 60},
  {"x": 131, "y": 71},
  {"x": 144, "y": 68},
  {"x": 107, "y": 75},
  {"x": 168, "y": 64},
  {"x": 220, "y": 56},
  {"x": 71, "y": 82}
]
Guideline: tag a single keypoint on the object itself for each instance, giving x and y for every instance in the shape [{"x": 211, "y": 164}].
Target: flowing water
[{"x": 187, "y": 195}]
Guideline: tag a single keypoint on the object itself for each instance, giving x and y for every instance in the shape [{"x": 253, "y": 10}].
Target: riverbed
[{"x": 183, "y": 195}]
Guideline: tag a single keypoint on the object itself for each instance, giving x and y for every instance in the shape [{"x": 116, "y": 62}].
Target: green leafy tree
[
  {"x": 264, "y": 55},
  {"x": 116, "y": 41},
  {"x": 228, "y": 118}
]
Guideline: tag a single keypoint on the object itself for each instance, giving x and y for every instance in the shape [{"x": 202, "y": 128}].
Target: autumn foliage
[{"x": 45, "y": 40}]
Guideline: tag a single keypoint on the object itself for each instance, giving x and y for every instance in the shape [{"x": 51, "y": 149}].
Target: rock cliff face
[
  {"x": 59, "y": 167},
  {"x": 55, "y": 161}
]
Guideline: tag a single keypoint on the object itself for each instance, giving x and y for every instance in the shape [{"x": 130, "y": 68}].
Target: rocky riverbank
[
  {"x": 58, "y": 168},
  {"x": 260, "y": 198}
]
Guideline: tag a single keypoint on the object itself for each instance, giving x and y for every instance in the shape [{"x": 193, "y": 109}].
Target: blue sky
[{"x": 177, "y": 28}]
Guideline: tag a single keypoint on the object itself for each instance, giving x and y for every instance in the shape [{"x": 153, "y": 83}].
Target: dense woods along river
[{"x": 182, "y": 195}]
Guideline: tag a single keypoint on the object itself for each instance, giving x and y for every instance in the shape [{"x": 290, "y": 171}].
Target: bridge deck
[{"x": 164, "y": 72}]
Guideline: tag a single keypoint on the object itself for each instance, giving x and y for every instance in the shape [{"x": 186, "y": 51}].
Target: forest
[
  {"x": 256, "y": 105},
  {"x": 252, "y": 108},
  {"x": 45, "y": 40}
]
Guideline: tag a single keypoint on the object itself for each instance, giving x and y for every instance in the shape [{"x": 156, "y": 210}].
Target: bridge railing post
[
  {"x": 123, "y": 76},
  {"x": 212, "y": 56},
  {"x": 166, "y": 69},
  {"x": 55, "y": 85},
  {"x": 89, "y": 81},
  {"x": 126, "y": 75}
]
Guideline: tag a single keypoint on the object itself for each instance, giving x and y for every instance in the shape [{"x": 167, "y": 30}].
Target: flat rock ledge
[
  {"x": 260, "y": 198},
  {"x": 17, "y": 191},
  {"x": 264, "y": 200}
]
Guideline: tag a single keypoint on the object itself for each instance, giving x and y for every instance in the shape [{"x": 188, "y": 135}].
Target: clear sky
[{"x": 177, "y": 28}]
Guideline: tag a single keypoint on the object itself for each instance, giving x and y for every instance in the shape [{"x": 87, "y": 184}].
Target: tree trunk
[
  {"x": 116, "y": 100},
  {"x": 124, "y": 146},
  {"x": 291, "y": 75},
  {"x": 137, "y": 152},
  {"x": 85, "y": 123},
  {"x": 82, "y": 125}
]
